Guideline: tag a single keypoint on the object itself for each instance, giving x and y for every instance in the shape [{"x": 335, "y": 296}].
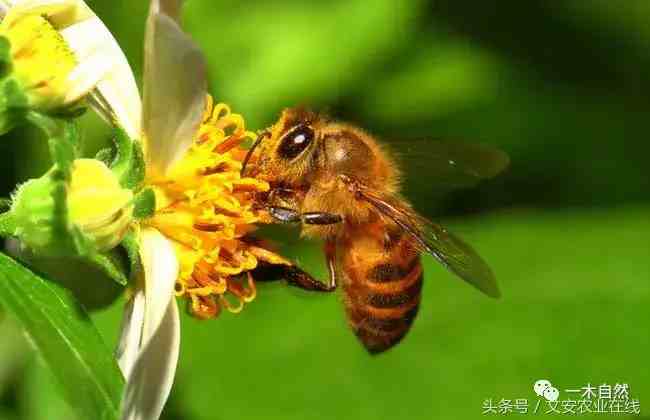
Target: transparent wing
[
  {"x": 457, "y": 256},
  {"x": 449, "y": 165}
]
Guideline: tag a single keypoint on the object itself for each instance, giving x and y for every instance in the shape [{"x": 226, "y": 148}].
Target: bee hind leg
[
  {"x": 330, "y": 258},
  {"x": 294, "y": 275},
  {"x": 297, "y": 277}
]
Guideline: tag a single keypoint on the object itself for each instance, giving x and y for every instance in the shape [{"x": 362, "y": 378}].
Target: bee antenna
[{"x": 257, "y": 142}]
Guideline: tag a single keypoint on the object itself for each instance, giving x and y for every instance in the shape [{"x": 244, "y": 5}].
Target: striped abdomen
[{"x": 382, "y": 282}]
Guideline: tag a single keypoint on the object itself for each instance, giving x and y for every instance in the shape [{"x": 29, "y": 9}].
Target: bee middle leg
[
  {"x": 288, "y": 215},
  {"x": 281, "y": 206}
]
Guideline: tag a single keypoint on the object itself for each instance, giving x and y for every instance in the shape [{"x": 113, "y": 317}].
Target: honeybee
[{"x": 343, "y": 186}]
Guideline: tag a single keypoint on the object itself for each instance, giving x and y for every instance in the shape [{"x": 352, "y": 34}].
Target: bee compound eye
[{"x": 296, "y": 141}]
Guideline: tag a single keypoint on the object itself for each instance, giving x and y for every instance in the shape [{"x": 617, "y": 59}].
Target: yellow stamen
[{"x": 206, "y": 208}]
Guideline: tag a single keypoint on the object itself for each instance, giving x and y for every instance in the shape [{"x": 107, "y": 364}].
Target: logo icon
[{"x": 545, "y": 389}]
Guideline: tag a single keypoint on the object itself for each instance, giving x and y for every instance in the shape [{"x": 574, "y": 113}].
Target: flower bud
[
  {"x": 97, "y": 204},
  {"x": 56, "y": 218}
]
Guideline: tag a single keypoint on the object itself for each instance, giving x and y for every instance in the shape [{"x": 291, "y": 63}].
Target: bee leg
[
  {"x": 330, "y": 258},
  {"x": 320, "y": 218},
  {"x": 295, "y": 276},
  {"x": 284, "y": 214},
  {"x": 287, "y": 215}
]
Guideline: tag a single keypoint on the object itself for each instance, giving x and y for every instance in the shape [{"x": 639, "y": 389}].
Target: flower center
[{"x": 206, "y": 209}]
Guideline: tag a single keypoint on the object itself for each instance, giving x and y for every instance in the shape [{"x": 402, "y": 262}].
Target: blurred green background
[{"x": 561, "y": 86}]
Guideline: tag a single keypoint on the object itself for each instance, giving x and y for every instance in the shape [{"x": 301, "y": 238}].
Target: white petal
[
  {"x": 85, "y": 38},
  {"x": 171, "y": 8},
  {"x": 61, "y": 13},
  {"x": 128, "y": 346},
  {"x": 150, "y": 379},
  {"x": 160, "y": 272},
  {"x": 174, "y": 92},
  {"x": 4, "y": 8},
  {"x": 150, "y": 382},
  {"x": 120, "y": 99},
  {"x": 86, "y": 76}
]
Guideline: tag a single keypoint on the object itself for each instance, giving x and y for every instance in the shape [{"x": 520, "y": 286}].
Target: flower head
[
  {"x": 195, "y": 243},
  {"x": 41, "y": 61},
  {"x": 52, "y": 54},
  {"x": 204, "y": 207}
]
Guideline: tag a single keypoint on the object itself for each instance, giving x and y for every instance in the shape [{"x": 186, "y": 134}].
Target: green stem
[
  {"x": 7, "y": 224},
  {"x": 62, "y": 137},
  {"x": 52, "y": 127}
]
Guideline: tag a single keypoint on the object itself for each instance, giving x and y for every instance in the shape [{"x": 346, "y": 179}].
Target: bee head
[{"x": 287, "y": 148}]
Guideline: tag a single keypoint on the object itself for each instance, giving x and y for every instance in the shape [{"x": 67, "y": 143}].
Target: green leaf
[
  {"x": 105, "y": 155},
  {"x": 7, "y": 224},
  {"x": 40, "y": 397},
  {"x": 14, "y": 352},
  {"x": 13, "y": 104},
  {"x": 111, "y": 265},
  {"x": 144, "y": 204},
  {"x": 131, "y": 245},
  {"x": 66, "y": 339},
  {"x": 13, "y": 101},
  {"x": 129, "y": 164}
]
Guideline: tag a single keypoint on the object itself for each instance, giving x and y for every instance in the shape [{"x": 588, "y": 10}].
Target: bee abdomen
[
  {"x": 389, "y": 305},
  {"x": 390, "y": 272}
]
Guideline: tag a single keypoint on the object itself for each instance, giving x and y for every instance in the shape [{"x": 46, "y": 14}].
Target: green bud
[{"x": 90, "y": 213}]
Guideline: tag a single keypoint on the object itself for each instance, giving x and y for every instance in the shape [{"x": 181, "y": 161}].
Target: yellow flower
[
  {"x": 58, "y": 50},
  {"x": 52, "y": 53},
  {"x": 204, "y": 207},
  {"x": 42, "y": 61},
  {"x": 194, "y": 244}
]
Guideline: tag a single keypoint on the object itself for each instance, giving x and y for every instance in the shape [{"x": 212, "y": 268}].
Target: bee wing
[
  {"x": 456, "y": 255},
  {"x": 450, "y": 164}
]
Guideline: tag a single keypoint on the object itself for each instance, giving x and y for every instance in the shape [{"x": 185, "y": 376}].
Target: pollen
[{"x": 207, "y": 209}]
